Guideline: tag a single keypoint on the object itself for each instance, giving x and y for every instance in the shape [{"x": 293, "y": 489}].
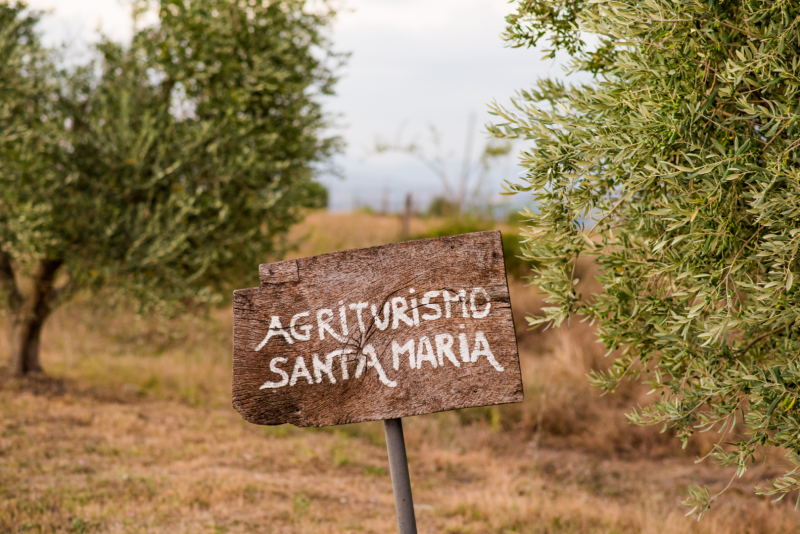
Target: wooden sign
[{"x": 376, "y": 333}]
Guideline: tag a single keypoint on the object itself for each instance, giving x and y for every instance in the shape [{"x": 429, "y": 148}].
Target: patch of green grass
[
  {"x": 279, "y": 431},
  {"x": 374, "y": 470},
  {"x": 300, "y": 505},
  {"x": 371, "y": 432},
  {"x": 79, "y": 526},
  {"x": 340, "y": 457}
]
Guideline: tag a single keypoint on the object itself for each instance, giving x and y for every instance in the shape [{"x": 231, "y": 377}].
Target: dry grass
[
  {"x": 323, "y": 232},
  {"x": 133, "y": 433}
]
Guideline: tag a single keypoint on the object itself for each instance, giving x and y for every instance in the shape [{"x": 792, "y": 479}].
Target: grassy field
[{"x": 132, "y": 431}]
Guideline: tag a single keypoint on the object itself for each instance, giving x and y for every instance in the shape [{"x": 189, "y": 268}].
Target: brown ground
[{"x": 132, "y": 432}]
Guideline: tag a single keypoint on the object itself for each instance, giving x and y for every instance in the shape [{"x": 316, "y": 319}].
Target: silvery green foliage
[
  {"x": 170, "y": 162},
  {"x": 677, "y": 171}
]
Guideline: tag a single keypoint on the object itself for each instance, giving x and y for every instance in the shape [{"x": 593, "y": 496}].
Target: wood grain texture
[
  {"x": 279, "y": 272},
  {"x": 343, "y": 374}
]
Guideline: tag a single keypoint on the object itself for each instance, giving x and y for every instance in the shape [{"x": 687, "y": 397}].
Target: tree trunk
[
  {"x": 24, "y": 335},
  {"x": 28, "y": 313}
]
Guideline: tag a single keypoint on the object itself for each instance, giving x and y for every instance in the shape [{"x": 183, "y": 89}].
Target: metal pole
[{"x": 401, "y": 484}]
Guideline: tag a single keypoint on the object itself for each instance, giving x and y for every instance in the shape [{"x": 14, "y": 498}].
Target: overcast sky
[{"x": 413, "y": 63}]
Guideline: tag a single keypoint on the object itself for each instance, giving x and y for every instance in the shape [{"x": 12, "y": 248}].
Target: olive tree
[
  {"x": 165, "y": 165},
  {"x": 677, "y": 170}
]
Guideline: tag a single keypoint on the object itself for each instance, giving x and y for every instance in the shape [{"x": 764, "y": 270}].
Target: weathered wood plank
[
  {"x": 278, "y": 273},
  {"x": 377, "y": 333}
]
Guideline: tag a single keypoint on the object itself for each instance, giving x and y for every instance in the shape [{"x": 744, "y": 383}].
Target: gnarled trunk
[
  {"x": 24, "y": 336},
  {"x": 28, "y": 313}
]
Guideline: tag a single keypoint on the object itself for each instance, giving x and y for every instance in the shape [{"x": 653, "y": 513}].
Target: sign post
[
  {"x": 401, "y": 482},
  {"x": 377, "y": 333}
]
